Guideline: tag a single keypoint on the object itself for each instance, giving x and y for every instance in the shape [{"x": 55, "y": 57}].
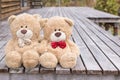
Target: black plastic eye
[
  {"x": 58, "y": 29},
  {"x": 25, "y": 26},
  {"x": 21, "y": 26},
  {"x": 55, "y": 30}
]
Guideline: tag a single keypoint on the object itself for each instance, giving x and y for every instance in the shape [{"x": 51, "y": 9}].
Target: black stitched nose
[
  {"x": 57, "y": 34},
  {"x": 23, "y": 31}
]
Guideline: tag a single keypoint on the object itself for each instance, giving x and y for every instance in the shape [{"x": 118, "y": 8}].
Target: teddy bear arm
[
  {"x": 42, "y": 46},
  {"x": 74, "y": 48},
  {"x": 9, "y": 46}
]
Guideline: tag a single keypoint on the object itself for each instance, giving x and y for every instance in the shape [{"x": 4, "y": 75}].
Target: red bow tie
[{"x": 61, "y": 44}]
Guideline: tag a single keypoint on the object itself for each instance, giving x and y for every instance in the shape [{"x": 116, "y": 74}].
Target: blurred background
[
  {"x": 110, "y": 6},
  {"x": 10, "y": 7}
]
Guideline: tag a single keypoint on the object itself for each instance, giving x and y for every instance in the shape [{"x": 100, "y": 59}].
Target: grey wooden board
[
  {"x": 19, "y": 70},
  {"x": 100, "y": 43},
  {"x": 106, "y": 34},
  {"x": 2, "y": 53},
  {"x": 3, "y": 67},
  {"x": 106, "y": 40},
  {"x": 93, "y": 13},
  {"x": 104, "y": 62},
  {"x": 95, "y": 38},
  {"x": 60, "y": 70},
  {"x": 6, "y": 76},
  {"x": 18, "y": 77},
  {"x": 79, "y": 68},
  {"x": 33, "y": 70},
  {"x": 92, "y": 67},
  {"x": 114, "y": 58}
]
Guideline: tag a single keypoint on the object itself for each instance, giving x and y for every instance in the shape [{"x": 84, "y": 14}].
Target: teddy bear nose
[
  {"x": 23, "y": 31},
  {"x": 57, "y": 34}
]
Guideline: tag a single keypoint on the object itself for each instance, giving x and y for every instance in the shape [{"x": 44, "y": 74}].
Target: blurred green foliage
[
  {"x": 89, "y": 3},
  {"x": 110, "y": 6}
]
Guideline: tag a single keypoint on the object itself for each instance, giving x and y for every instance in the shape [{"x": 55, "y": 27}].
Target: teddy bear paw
[
  {"x": 28, "y": 42},
  {"x": 13, "y": 59},
  {"x": 68, "y": 60},
  {"x": 29, "y": 64},
  {"x": 48, "y": 60}
]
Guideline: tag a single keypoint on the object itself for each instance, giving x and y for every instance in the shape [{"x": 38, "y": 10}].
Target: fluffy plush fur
[
  {"x": 21, "y": 48},
  {"x": 57, "y": 46}
]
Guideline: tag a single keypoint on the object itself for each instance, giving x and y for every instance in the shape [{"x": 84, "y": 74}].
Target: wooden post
[
  {"x": 119, "y": 11},
  {"x": 107, "y": 26},
  {"x": 100, "y": 24},
  {"x": 115, "y": 29},
  {"x": 0, "y": 9},
  {"x": 31, "y": 3}
]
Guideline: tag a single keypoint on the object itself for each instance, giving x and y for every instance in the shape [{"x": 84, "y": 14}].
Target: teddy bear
[
  {"x": 57, "y": 46},
  {"x": 21, "y": 48}
]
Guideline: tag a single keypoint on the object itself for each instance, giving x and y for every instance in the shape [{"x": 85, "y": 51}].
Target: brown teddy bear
[
  {"x": 60, "y": 49},
  {"x": 25, "y": 29}
]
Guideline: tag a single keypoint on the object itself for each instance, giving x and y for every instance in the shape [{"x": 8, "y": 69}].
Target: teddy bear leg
[
  {"x": 30, "y": 59},
  {"x": 48, "y": 60},
  {"x": 68, "y": 60},
  {"x": 13, "y": 59}
]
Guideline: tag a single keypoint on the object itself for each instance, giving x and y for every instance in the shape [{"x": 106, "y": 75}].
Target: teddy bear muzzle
[
  {"x": 58, "y": 34},
  {"x": 23, "y": 31}
]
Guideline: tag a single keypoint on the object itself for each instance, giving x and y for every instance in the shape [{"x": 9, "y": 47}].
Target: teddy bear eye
[
  {"x": 55, "y": 30},
  {"x": 58, "y": 29},
  {"x": 25, "y": 26},
  {"x": 21, "y": 26}
]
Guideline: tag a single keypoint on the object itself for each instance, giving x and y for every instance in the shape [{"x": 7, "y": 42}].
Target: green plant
[{"x": 110, "y": 6}]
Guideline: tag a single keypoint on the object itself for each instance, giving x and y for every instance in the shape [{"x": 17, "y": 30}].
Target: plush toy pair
[{"x": 26, "y": 48}]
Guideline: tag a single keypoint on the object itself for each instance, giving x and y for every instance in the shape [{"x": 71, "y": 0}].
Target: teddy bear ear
[
  {"x": 69, "y": 21},
  {"x": 11, "y": 19},
  {"x": 43, "y": 22},
  {"x": 37, "y": 16}
]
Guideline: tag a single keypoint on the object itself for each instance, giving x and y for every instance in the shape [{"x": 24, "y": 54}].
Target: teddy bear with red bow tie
[{"x": 57, "y": 46}]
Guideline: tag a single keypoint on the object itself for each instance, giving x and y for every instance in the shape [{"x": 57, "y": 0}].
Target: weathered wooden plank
[
  {"x": 4, "y": 76},
  {"x": 46, "y": 70},
  {"x": 60, "y": 70},
  {"x": 3, "y": 67},
  {"x": 112, "y": 45},
  {"x": 9, "y": 0},
  {"x": 4, "y": 5},
  {"x": 93, "y": 13},
  {"x": 33, "y": 70},
  {"x": 104, "y": 62},
  {"x": 18, "y": 77},
  {"x": 10, "y": 9},
  {"x": 111, "y": 37},
  {"x": 92, "y": 67},
  {"x": 79, "y": 68},
  {"x": 2, "y": 44}
]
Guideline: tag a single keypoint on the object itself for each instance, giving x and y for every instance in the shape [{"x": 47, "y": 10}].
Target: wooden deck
[{"x": 100, "y": 51}]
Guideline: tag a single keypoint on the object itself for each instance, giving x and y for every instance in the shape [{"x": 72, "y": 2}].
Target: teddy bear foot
[
  {"x": 29, "y": 64},
  {"x": 48, "y": 60},
  {"x": 13, "y": 60},
  {"x": 68, "y": 60},
  {"x": 30, "y": 59}
]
